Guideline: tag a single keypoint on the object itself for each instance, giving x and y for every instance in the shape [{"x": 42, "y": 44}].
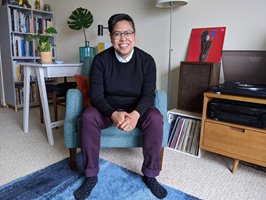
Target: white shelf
[
  {"x": 185, "y": 131},
  {"x": 185, "y": 113}
]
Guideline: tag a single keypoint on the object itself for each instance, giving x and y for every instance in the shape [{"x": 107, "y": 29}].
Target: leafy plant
[
  {"x": 81, "y": 18},
  {"x": 44, "y": 40}
]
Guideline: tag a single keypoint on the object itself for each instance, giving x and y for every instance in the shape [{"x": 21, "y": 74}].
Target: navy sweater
[{"x": 116, "y": 86}]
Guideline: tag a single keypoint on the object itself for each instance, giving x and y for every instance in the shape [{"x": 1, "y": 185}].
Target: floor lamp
[{"x": 170, "y": 5}]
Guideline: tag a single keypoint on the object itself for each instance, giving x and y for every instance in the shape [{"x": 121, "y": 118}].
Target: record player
[
  {"x": 244, "y": 74},
  {"x": 241, "y": 89}
]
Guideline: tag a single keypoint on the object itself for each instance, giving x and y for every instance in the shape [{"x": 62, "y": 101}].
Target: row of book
[
  {"x": 22, "y": 47},
  {"x": 185, "y": 134},
  {"x": 21, "y": 22},
  {"x": 20, "y": 93},
  {"x": 41, "y": 24},
  {"x": 25, "y": 23},
  {"x": 19, "y": 75}
]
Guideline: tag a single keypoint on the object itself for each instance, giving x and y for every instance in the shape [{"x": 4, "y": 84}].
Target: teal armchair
[{"x": 111, "y": 137}]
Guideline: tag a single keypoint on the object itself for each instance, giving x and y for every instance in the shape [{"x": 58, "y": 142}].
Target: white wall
[{"x": 244, "y": 19}]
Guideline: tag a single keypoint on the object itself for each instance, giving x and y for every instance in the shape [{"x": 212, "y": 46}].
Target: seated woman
[{"x": 122, "y": 92}]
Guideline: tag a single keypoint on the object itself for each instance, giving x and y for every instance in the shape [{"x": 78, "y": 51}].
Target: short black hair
[{"x": 119, "y": 17}]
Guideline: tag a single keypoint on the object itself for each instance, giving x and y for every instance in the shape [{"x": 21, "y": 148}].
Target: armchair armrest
[
  {"x": 74, "y": 108},
  {"x": 161, "y": 104}
]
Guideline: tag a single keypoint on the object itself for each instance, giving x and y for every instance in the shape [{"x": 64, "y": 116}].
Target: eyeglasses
[{"x": 117, "y": 35}]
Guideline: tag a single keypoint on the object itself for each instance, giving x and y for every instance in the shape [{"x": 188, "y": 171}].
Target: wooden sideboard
[{"x": 230, "y": 139}]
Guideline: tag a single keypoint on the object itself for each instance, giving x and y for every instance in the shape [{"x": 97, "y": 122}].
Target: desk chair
[
  {"x": 111, "y": 137},
  {"x": 57, "y": 92}
]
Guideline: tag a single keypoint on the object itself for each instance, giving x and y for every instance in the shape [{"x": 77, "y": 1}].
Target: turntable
[
  {"x": 242, "y": 89},
  {"x": 244, "y": 74}
]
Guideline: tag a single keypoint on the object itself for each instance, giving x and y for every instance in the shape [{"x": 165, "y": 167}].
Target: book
[
  {"x": 189, "y": 141},
  {"x": 173, "y": 126},
  {"x": 187, "y": 134},
  {"x": 176, "y": 133},
  {"x": 195, "y": 140},
  {"x": 181, "y": 134}
]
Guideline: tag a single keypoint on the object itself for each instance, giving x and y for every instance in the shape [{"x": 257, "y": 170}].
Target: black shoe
[
  {"x": 85, "y": 189},
  {"x": 157, "y": 190}
]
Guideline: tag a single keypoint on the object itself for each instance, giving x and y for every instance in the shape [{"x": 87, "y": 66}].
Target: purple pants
[{"x": 92, "y": 121}]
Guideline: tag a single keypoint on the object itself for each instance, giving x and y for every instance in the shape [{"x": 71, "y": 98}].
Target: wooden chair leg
[
  {"x": 40, "y": 105},
  {"x": 72, "y": 158},
  {"x": 161, "y": 157},
  {"x": 55, "y": 107}
]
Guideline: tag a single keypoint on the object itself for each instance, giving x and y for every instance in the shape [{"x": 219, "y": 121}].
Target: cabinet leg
[{"x": 236, "y": 162}]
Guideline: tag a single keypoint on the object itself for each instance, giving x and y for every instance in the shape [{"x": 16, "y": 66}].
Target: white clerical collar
[{"x": 124, "y": 60}]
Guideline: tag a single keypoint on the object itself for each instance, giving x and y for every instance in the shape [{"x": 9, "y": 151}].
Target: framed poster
[{"x": 206, "y": 44}]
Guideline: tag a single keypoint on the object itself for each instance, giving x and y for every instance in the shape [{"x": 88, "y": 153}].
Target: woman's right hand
[{"x": 118, "y": 117}]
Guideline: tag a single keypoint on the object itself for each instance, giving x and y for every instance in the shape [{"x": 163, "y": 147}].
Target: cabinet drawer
[{"x": 233, "y": 141}]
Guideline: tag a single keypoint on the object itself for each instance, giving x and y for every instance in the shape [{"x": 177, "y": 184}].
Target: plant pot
[
  {"x": 46, "y": 57},
  {"x": 86, "y": 51}
]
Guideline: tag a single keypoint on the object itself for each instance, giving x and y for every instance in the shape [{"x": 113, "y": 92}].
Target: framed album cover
[{"x": 206, "y": 44}]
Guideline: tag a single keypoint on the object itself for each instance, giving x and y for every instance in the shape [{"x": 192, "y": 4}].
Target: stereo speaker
[{"x": 196, "y": 78}]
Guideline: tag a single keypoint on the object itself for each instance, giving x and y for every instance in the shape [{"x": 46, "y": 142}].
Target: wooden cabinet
[
  {"x": 233, "y": 140},
  {"x": 196, "y": 78},
  {"x": 17, "y": 22}
]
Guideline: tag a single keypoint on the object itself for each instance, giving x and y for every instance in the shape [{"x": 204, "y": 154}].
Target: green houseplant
[
  {"x": 81, "y": 18},
  {"x": 44, "y": 43}
]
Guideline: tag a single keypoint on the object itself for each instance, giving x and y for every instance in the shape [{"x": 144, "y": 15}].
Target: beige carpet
[{"x": 207, "y": 178}]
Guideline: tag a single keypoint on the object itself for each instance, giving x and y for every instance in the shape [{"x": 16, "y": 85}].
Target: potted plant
[
  {"x": 81, "y": 18},
  {"x": 45, "y": 44}
]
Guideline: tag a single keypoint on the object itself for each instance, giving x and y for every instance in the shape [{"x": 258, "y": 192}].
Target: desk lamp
[{"x": 100, "y": 29}]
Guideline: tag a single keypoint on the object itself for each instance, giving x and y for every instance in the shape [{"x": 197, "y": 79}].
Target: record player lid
[{"x": 244, "y": 66}]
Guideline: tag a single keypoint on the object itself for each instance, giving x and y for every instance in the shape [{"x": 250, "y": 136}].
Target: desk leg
[
  {"x": 26, "y": 99},
  {"x": 45, "y": 106}
]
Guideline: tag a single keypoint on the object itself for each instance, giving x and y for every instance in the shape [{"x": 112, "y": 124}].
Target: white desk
[{"x": 42, "y": 71}]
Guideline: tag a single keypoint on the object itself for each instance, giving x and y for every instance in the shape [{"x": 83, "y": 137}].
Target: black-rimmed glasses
[{"x": 117, "y": 35}]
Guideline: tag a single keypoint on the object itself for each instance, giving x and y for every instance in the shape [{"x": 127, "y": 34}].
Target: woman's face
[{"x": 123, "y": 38}]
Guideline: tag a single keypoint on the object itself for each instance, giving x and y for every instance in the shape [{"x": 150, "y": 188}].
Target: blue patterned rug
[{"x": 59, "y": 182}]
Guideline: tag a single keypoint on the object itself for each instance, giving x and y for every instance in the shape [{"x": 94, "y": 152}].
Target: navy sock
[
  {"x": 157, "y": 190},
  {"x": 85, "y": 189}
]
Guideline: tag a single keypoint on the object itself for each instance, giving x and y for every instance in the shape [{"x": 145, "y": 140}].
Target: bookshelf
[
  {"x": 17, "y": 22},
  {"x": 184, "y": 132},
  {"x": 2, "y": 95}
]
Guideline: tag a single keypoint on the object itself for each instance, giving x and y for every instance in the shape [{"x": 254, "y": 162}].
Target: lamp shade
[{"x": 168, "y": 4}]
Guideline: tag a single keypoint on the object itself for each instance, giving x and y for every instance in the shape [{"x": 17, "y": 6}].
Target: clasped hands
[{"x": 125, "y": 121}]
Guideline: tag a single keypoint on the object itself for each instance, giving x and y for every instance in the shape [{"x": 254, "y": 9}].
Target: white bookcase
[
  {"x": 2, "y": 95},
  {"x": 184, "y": 132},
  {"x": 16, "y": 22}
]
